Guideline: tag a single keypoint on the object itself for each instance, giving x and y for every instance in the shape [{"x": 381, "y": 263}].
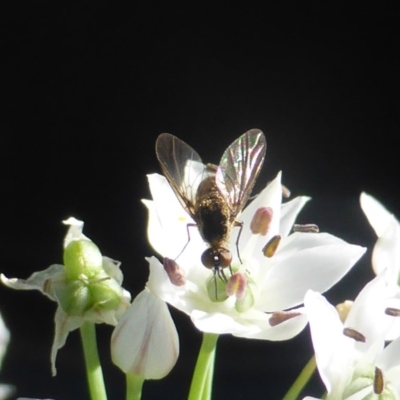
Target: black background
[{"x": 88, "y": 86}]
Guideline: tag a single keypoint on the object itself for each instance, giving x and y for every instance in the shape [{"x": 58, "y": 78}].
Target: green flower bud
[
  {"x": 82, "y": 257},
  {"x": 106, "y": 293},
  {"x": 75, "y": 297}
]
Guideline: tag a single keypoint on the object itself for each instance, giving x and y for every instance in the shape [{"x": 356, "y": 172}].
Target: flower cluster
[
  {"x": 353, "y": 359},
  {"x": 266, "y": 283}
]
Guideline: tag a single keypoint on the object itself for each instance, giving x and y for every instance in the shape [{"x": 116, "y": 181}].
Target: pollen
[
  {"x": 378, "y": 381},
  {"x": 261, "y": 221},
  {"x": 270, "y": 248}
]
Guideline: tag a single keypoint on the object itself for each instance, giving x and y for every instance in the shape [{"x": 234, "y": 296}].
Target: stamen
[
  {"x": 353, "y": 334},
  {"x": 285, "y": 191},
  {"x": 281, "y": 316},
  {"x": 270, "y": 248},
  {"x": 175, "y": 273},
  {"x": 313, "y": 228},
  {"x": 261, "y": 221},
  {"x": 378, "y": 381},
  {"x": 393, "y": 312},
  {"x": 237, "y": 285}
]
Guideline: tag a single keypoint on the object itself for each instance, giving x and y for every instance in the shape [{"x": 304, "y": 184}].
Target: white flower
[
  {"x": 5, "y": 390},
  {"x": 350, "y": 355},
  {"x": 386, "y": 253},
  {"x": 145, "y": 341},
  {"x": 87, "y": 288},
  {"x": 272, "y": 285}
]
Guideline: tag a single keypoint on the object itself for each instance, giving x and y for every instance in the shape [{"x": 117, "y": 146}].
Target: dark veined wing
[
  {"x": 239, "y": 168},
  {"x": 182, "y": 167}
]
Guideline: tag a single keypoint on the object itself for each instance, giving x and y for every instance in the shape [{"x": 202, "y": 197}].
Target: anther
[
  {"x": 175, "y": 273},
  {"x": 270, "y": 248},
  {"x": 305, "y": 228},
  {"x": 393, "y": 312},
  {"x": 261, "y": 221},
  {"x": 285, "y": 191},
  {"x": 378, "y": 381},
  {"x": 353, "y": 334},
  {"x": 281, "y": 316}
]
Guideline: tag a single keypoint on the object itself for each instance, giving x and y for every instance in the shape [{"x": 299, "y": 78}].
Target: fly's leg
[{"x": 184, "y": 247}]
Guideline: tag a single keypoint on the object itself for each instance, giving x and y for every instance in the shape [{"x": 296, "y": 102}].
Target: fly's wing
[
  {"x": 182, "y": 167},
  {"x": 239, "y": 168}
]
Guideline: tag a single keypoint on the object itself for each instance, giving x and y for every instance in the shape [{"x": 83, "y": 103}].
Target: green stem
[
  {"x": 301, "y": 381},
  {"x": 134, "y": 385},
  {"x": 207, "y": 388},
  {"x": 94, "y": 372},
  {"x": 201, "y": 386}
]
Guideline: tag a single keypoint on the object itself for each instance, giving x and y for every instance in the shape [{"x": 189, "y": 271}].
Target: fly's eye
[
  {"x": 207, "y": 258},
  {"x": 225, "y": 258}
]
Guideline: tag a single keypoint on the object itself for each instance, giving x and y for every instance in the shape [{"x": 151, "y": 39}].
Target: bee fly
[{"x": 213, "y": 195}]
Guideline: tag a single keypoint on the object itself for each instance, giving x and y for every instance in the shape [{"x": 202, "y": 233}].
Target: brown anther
[
  {"x": 261, "y": 221},
  {"x": 312, "y": 228},
  {"x": 175, "y": 273},
  {"x": 285, "y": 192},
  {"x": 270, "y": 248},
  {"x": 281, "y": 316},
  {"x": 393, "y": 312},
  {"x": 353, "y": 334},
  {"x": 378, "y": 381}
]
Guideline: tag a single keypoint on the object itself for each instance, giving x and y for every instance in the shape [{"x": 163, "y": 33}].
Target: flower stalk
[
  {"x": 201, "y": 387},
  {"x": 94, "y": 371},
  {"x": 301, "y": 381},
  {"x": 134, "y": 384}
]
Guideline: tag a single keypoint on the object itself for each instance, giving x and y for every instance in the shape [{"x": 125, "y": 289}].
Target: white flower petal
[
  {"x": 386, "y": 253},
  {"x": 4, "y": 339},
  {"x": 63, "y": 325},
  {"x": 74, "y": 231},
  {"x": 218, "y": 323},
  {"x": 168, "y": 219},
  {"x": 271, "y": 197},
  {"x": 45, "y": 281},
  {"x": 389, "y": 358},
  {"x": 305, "y": 261},
  {"x": 370, "y": 305},
  {"x": 289, "y": 213},
  {"x": 145, "y": 341},
  {"x": 189, "y": 297},
  {"x": 378, "y": 216},
  {"x": 332, "y": 349},
  {"x": 284, "y": 331}
]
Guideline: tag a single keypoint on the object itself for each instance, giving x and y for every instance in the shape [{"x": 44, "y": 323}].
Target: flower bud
[
  {"x": 82, "y": 257},
  {"x": 74, "y": 297},
  {"x": 81, "y": 295},
  {"x": 106, "y": 292}
]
